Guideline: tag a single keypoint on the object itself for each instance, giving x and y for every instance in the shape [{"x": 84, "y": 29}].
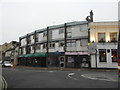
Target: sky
[{"x": 19, "y": 17}]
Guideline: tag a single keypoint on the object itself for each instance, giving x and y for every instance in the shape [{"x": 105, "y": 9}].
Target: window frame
[
  {"x": 115, "y": 55},
  {"x": 101, "y": 41},
  {"x": 115, "y": 38},
  {"x": 103, "y": 55}
]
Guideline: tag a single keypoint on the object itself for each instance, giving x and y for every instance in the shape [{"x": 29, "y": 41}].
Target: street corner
[{"x": 101, "y": 76}]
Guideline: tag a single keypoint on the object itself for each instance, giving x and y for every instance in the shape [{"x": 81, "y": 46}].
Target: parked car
[{"x": 7, "y": 64}]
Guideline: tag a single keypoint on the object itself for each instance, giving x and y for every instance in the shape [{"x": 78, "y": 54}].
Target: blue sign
[{"x": 57, "y": 52}]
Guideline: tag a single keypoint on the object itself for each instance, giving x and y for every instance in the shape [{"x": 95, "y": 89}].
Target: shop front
[
  {"x": 54, "y": 59},
  {"x": 76, "y": 59},
  {"x": 38, "y": 59}
]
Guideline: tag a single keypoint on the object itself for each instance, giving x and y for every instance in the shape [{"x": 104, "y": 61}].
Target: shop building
[
  {"x": 62, "y": 45},
  {"x": 103, "y": 46}
]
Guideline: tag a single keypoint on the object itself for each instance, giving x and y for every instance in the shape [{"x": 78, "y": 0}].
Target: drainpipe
[
  {"x": 19, "y": 44},
  {"x": 47, "y": 48},
  {"x": 35, "y": 42},
  {"x": 96, "y": 57},
  {"x": 89, "y": 56},
  {"x": 65, "y": 44}
]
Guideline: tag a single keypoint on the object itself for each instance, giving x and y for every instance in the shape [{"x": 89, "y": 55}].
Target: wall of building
[
  {"x": 106, "y": 27},
  {"x": 23, "y": 42}
]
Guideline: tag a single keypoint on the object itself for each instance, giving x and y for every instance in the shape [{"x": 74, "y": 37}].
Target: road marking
[
  {"x": 97, "y": 78},
  {"x": 4, "y": 83},
  {"x": 71, "y": 74}
]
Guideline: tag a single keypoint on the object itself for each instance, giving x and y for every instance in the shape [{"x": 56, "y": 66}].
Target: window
[
  {"x": 102, "y": 55},
  {"x": 44, "y": 45},
  {"x": 69, "y": 34},
  {"x": 52, "y": 45},
  {"x": 71, "y": 43},
  {"x": 61, "y": 44},
  {"x": 113, "y": 37},
  {"x": 114, "y": 55},
  {"x": 50, "y": 34},
  {"x": 33, "y": 47},
  {"x": 36, "y": 37},
  {"x": 44, "y": 33},
  {"x": 83, "y": 27},
  {"x": 37, "y": 47},
  {"x": 101, "y": 37},
  {"x": 83, "y": 42},
  {"x": 61, "y": 31}
]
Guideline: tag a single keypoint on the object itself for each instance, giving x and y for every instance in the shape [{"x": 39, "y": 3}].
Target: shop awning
[
  {"x": 22, "y": 56},
  {"x": 40, "y": 54},
  {"x": 34, "y": 55},
  {"x": 29, "y": 55}
]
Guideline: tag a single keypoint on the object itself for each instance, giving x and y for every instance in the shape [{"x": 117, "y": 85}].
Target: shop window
[
  {"x": 102, "y": 55},
  {"x": 113, "y": 37},
  {"x": 114, "y": 55},
  {"x": 101, "y": 37},
  {"x": 61, "y": 31}
]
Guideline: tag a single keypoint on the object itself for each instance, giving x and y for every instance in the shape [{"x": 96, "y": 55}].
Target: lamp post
[{"x": 96, "y": 57}]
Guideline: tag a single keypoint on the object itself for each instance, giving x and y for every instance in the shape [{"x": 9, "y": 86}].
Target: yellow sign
[{"x": 88, "y": 44}]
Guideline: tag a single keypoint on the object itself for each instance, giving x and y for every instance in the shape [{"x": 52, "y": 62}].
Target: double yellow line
[{"x": 4, "y": 83}]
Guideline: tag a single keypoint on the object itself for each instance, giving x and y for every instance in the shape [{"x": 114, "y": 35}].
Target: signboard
[
  {"x": 92, "y": 48},
  {"x": 76, "y": 53},
  {"x": 57, "y": 52}
]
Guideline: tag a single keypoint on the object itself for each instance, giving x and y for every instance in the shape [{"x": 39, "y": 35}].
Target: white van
[{"x": 7, "y": 64}]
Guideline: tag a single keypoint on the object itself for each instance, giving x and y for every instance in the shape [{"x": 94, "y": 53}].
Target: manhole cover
[{"x": 102, "y": 77}]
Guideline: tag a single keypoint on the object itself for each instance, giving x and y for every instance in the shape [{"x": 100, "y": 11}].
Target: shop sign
[{"x": 76, "y": 53}]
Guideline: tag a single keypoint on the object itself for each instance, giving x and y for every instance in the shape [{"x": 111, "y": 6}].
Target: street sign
[
  {"x": 88, "y": 44},
  {"x": 92, "y": 48},
  {"x": 57, "y": 52}
]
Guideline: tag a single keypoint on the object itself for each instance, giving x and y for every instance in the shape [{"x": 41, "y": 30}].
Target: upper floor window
[
  {"x": 50, "y": 34},
  {"x": 32, "y": 47},
  {"x": 113, "y": 37},
  {"x": 61, "y": 31},
  {"x": 61, "y": 44},
  {"x": 52, "y": 45},
  {"x": 101, "y": 37},
  {"x": 44, "y": 33},
  {"x": 83, "y": 42},
  {"x": 83, "y": 27},
  {"x": 38, "y": 47},
  {"x": 71, "y": 43},
  {"x": 44, "y": 45}
]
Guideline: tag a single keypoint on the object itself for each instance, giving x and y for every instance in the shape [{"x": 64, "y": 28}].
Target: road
[{"x": 32, "y": 78}]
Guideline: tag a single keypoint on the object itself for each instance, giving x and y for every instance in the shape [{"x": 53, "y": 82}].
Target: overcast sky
[{"x": 19, "y": 17}]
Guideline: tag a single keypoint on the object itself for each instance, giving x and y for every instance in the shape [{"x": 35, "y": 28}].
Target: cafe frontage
[{"x": 37, "y": 59}]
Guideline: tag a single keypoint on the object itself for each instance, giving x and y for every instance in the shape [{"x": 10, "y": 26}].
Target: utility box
[{"x": 61, "y": 60}]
